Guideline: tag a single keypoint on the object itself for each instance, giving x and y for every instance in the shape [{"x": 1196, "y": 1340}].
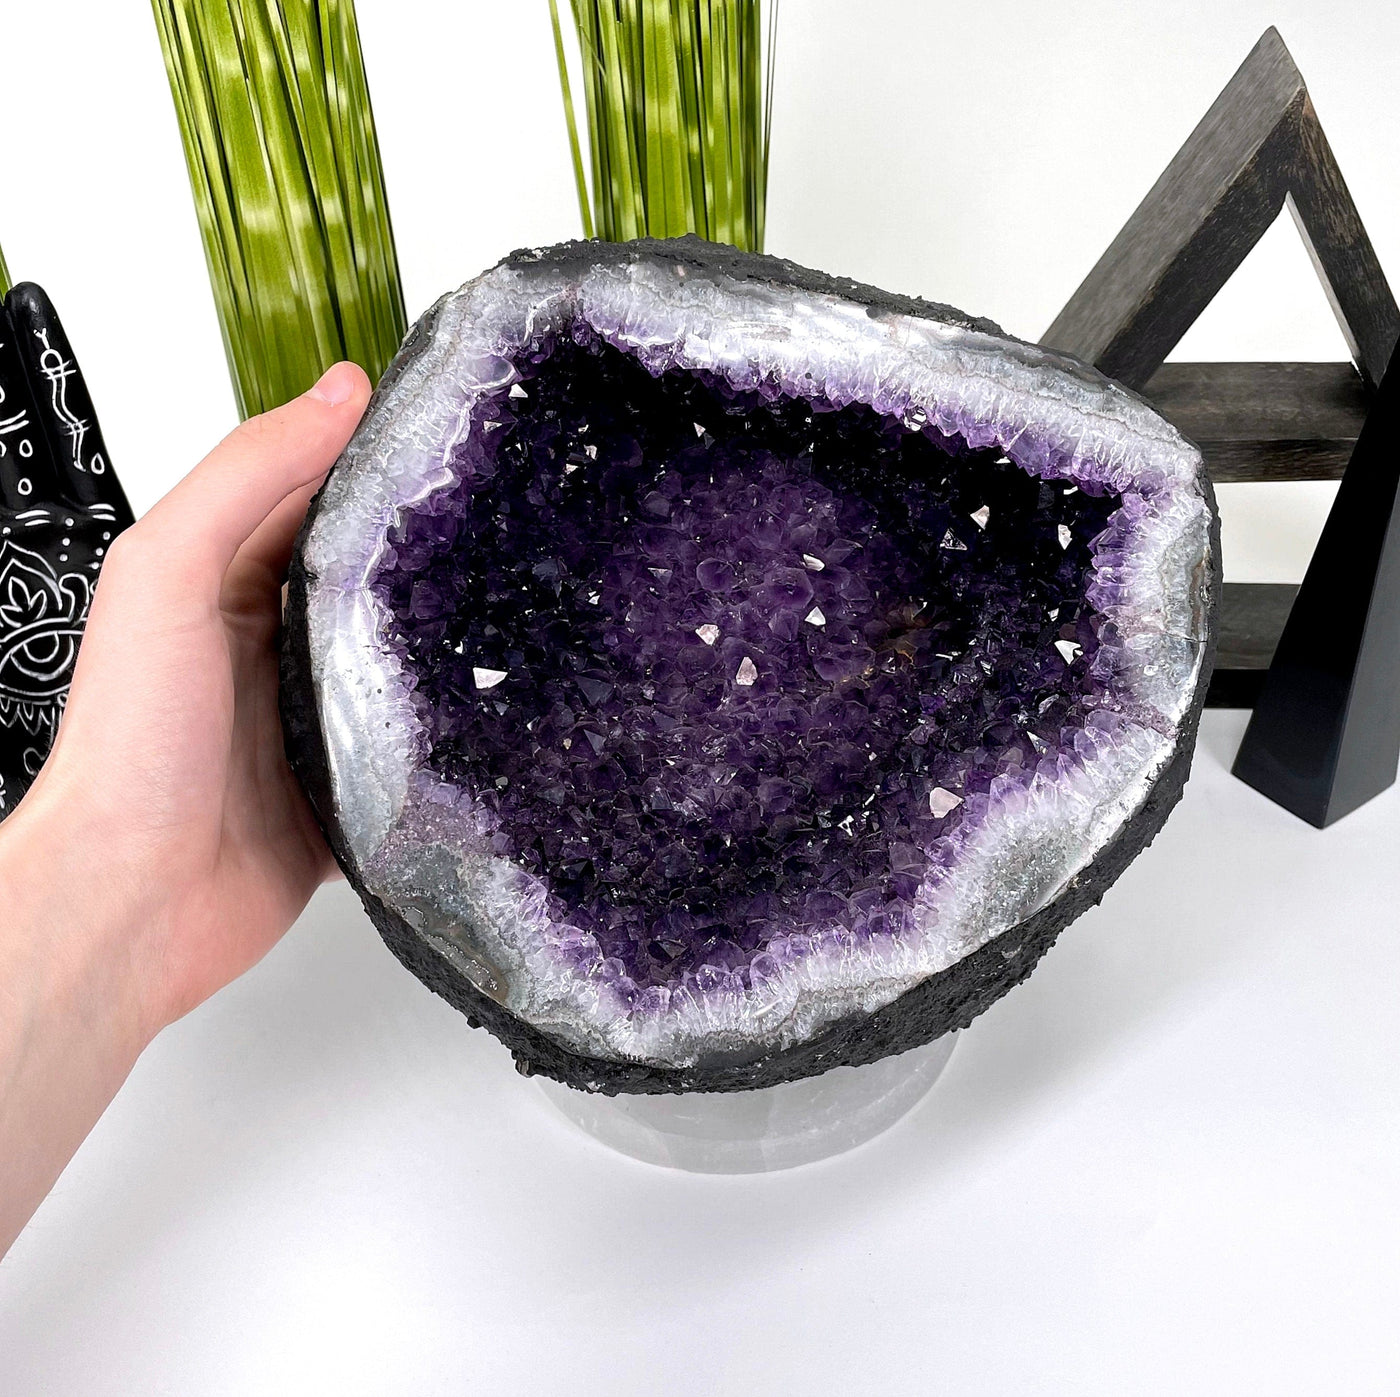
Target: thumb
[{"x": 188, "y": 540}]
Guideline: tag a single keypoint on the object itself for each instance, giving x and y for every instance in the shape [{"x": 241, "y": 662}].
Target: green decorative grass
[
  {"x": 5, "y": 282},
  {"x": 678, "y": 96},
  {"x": 275, "y": 115}
]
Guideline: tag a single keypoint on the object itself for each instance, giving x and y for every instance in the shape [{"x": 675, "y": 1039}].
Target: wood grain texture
[
  {"x": 1210, "y": 206},
  {"x": 1255, "y": 613},
  {"x": 1259, "y": 147},
  {"x": 1252, "y": 617},
  {"x": 1265, "y": 421},
  {"x": 1346, "y": 263}
]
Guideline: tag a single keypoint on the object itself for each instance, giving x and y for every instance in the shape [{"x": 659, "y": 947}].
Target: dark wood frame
[{"x": 1260, "y": 148}]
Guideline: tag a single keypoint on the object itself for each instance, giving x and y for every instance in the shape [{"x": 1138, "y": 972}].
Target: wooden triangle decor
[{"x": 1260, "y": 148}]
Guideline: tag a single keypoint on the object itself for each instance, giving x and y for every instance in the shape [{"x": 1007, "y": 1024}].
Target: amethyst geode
[{"x": 709, "y": 672}]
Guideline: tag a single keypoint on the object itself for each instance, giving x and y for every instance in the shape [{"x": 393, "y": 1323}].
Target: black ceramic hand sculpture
[{"x": 60, "y": 508}]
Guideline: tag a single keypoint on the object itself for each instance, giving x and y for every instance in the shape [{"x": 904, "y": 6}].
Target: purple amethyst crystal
[{"x": 710, "y": 673}]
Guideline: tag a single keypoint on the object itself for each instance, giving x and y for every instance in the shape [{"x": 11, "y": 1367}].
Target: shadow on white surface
[{"x": 324, "y": 1170}]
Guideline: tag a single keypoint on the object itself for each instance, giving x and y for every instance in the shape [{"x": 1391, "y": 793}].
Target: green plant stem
[
  {"x": 678, "y": 96},
  {"x": 275, "y": 116},
  {"x": 580, "y": 179}
]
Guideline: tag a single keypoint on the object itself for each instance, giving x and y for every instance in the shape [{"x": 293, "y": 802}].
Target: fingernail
[{"x": 335, "y": 386}]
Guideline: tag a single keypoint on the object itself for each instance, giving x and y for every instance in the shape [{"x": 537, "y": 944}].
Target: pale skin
[{"x": 166, "y": 846}]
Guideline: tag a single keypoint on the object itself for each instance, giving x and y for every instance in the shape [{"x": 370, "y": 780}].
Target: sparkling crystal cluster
[{"x": 702, "y": 660}]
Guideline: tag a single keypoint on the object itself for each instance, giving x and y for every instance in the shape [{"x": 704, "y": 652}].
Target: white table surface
[{"x": 1168, "y": 1163}]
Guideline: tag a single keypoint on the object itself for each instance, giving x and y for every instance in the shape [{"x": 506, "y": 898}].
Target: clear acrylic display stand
[{"x": 755, "y": 1132}]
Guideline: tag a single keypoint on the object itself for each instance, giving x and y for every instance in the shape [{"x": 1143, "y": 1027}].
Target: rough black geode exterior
[{"x": 944, "y": 1002}]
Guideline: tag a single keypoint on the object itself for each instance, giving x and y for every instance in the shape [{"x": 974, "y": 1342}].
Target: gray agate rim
[{"x": 1034, "y": 853}]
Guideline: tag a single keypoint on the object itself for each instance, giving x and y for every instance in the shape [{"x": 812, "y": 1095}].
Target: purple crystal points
[
  {"x": 701, "y": 661},
  {"x": 689, "y": 797}
]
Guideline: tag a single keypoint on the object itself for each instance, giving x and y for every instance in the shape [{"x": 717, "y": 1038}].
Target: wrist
[
  {"x": 72, "y": 933},
  {"x": 72, "y": 1018}
]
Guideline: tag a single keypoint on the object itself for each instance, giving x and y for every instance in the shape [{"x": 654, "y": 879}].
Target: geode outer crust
[{"x": 942, "y": 1002}]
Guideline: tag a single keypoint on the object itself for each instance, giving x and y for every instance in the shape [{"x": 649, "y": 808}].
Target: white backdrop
[
  {"x": 978, "y": 154},
  {"x": 1168, "y": 1164}
]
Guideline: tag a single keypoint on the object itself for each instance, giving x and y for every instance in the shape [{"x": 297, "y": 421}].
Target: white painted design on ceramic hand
[
  {"x": 58, "y": 371},
  {"x": 14, "y": 425},
  {"x": 42, "y": 614}
]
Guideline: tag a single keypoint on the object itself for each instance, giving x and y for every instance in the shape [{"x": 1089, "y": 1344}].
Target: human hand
[
  {"x": 165, "y": 845},
  {"x": 60, "y": 508},
  {"x": 168, "y": 772}
]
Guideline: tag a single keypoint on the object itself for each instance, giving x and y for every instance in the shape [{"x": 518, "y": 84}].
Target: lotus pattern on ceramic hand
[{"x": 42, "y": 613}]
